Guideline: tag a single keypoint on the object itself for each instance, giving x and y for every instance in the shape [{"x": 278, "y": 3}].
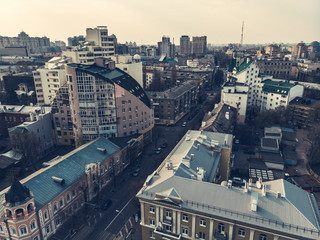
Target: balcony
[
  {"x": 165, "y": 233},
  {"x": 220, "y": 236}
]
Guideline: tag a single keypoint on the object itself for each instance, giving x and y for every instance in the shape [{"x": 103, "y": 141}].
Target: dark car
[
  {"x": 106, "y": 204},
  {"x": 164, "y": 145},
  {"x": 249, "y": 151}
]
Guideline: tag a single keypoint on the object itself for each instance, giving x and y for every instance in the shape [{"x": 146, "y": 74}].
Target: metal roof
[{"x": 70, "y": 167}]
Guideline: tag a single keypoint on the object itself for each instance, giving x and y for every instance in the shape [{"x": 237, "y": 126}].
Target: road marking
[{"x": 119, "y": 213}]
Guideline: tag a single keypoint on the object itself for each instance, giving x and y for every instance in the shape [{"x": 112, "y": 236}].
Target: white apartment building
[
  {"x": 236, "y": 95},
  {"x": 47, "y": 80},
  {"x": 279, "y": 93},
  {"x": 98, "y": 44}
]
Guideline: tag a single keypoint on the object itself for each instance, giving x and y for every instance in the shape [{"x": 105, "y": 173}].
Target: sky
[{"x": 146, "y": 21}]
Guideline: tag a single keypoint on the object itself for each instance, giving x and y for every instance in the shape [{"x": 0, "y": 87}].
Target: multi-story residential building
[
  {"x": 279, "y": 93},
  {"x": 174, "y": 103},
  {"x": 167, "y": 48},
  {"x": 185, "y": 45},
  {"x": 33, "y": 44},
  {"x": 61, "y": 115},
  {"x": 14, "y": 115},
  {"x": 98, "y": 44},
  {"x": 38, "y": 206},
  {"x": 303, "y": 110},
  {"x": 49, "y": 79},
  {"x": 180, "y": 201},
  {"x": 199, "y": 45},
  {"x": 300, "y": 50},
  {"x": 277, "y": 68},
  {"x": 272, "y": 50},
  {"x": 74, "y": 41},
  {"x": 236, "y": 95},
  {"x": 106, "y": 101}
]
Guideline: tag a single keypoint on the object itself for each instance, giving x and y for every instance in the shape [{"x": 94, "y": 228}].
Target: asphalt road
[{"x": 118, "y": 217}]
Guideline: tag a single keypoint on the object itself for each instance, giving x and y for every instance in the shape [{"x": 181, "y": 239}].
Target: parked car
[
  {"x": 249, "y": 151},
  {"x": 158, "y": 151},
  {"x": 106, "y": 204},
  {"x": 164, "y": 145},
  {"x": 184, "y": 124},
  {"x": 136, "y": 173}
]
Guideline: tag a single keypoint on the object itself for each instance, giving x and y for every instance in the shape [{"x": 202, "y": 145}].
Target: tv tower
[{"x": 241, "y": 41}]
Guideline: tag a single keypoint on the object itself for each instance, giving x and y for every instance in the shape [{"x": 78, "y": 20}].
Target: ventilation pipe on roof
[
  {"x": 198, "y": 146},
  {"x": 192, "y": 156},
  {"x": 58, "y": 180},
  {"x": 103, "y": 150},
  {"x": 229, "y": 184}
]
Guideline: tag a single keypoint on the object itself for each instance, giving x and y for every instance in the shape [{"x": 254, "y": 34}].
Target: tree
[
  {"x": 27, "y": 144},
  {"x": 280, "y": 116}
]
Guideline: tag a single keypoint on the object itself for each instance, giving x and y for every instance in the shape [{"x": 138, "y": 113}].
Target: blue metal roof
[{"x": 70, "y": 169}]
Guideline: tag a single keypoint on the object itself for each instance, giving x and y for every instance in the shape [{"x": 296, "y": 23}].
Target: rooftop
[
  {"x": 23, "y": 109},
  {"x": 276, "y": 87},
  {"x": 115, "y": 76},
  {"x": 305, "y": 102},
  {"x": 70, "y": 167}
]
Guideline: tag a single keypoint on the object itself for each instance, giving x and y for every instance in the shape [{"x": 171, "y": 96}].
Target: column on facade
[
  {"x": 157, "y": 216},
  {"x": 211, "y": 229},
  {"x": 276, "y": 237},
  {"x": 174, "y": 221},
  {"x": 142, "y": 212},
  {"x": 230, "y": 231},
  {"x": 178, "y": 222},
  {"x": 193, "y": 231},
  {"x": 161, "y": 214},
  {"x": 251, "y": 234}
]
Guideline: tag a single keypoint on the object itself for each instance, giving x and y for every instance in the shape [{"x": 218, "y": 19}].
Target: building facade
[
  {"x": 185, "y": 45},
  {"x": 38, "y": 206},
  {"x": 105, "y": 101},
  {"x": 180, "y": 200},
  {"x": 199, "y": 45}
]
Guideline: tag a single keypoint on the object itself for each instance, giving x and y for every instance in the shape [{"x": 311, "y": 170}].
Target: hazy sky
[{"x": 146, "y": 21}]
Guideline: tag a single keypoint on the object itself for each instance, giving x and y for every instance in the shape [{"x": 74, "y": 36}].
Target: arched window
[
  {"x": 13, "y": 231},
  {"x": 30, "y": 208},
  {"x": 33, "y": 225},
  {"x": 8, "y": 213},
  {"x": 19, "y": 212},
  {"x": 23, "y": 230}
]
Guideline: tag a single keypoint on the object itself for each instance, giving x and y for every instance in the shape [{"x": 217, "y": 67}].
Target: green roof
[
  {"x": 276, "y": 87},
  {"x": 243, "y": 66}
]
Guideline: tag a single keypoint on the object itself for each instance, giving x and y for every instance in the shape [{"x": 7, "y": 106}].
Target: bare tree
[{"x": 27, "y": 144}]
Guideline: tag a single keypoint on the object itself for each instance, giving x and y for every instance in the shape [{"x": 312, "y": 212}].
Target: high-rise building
[
  {"x": 74, "y": 41},
  {"x": 49, "y": 79},
  {"x": 300, "y": 50},
  {"x": 199, "y": 45},
  {"x": 98, "y": 44},
  {"x": 185, "y": 45},
  {"x": 106, "y": 101},
  {"x": 165, "y": 46}
]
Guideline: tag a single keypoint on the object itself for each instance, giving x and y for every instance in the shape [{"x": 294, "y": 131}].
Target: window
[
  {"x": 151, "y": 222},
  {"x": 57, "y": 221},
  {"x": 55, "y": 208},
  {"x": 202, "y": 235},
  {"x": 151, "y": 234},
  {"x": 168, "y": 228},
  {"x": 184, "y": 230},
  {"x": 45, "y": 214},
  {"x": 33, "y": 225},
  {"x": 23, "y": 230},
  {"x": 36, "y": 238},
  {"x": 151, "y": 209},
  {"x": 68, "y": 197},
  {"x": 262, "y": 237},
  {"x": 202, "y": 222},
  {"x": 48, "y": 229},
  {"x": 185, "y": 218},
  {"x": 220, "y": 228},
  {"x": 1, "y": 229},
  {"x": 241, "y": 232},
  {"x": 73, "y": 193},
  {"x": 168, "y": 214},
  {"x": 13, "y": 231},
  {"x": 61, "y": 203}
]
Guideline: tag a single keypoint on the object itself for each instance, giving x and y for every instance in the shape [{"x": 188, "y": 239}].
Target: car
[
  {"x": 236, "y": 141},
  {"x": 249, "y": 151},
  {"x": 106, "y": 204},
  {"x": 184, "y": 124},
  {"x": 136, "y": 173},
  {"x": 158, "y": 151}
]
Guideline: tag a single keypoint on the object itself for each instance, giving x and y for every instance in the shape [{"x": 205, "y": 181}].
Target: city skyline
[{"x": 146, "y": 22}]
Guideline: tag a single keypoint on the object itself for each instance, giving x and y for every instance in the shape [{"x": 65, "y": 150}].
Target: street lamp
[{"x": 120, "y": 212}]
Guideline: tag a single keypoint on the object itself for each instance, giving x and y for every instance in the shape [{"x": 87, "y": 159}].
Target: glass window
[
  {"x": 262, "y": 237},
  {"x": 33, "y": 225},
  {"x": 168, "y": 214},
  {"x": 185, "y": 231},
  {"x": 185, "y": 218},
  {"x": 23, "y": 230},
  {"x": 202, "y": 235},
  {"x": 151, "y": 209},
  {"x": 152, "y": 222},
  {"x": 241, "y": 232},
  {"x": 202, "y": 222},
  {"x": 220, "y": 228}
]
